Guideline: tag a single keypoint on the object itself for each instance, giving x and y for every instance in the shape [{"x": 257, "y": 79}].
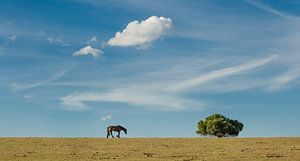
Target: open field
[{"x": 139, "y": 149}]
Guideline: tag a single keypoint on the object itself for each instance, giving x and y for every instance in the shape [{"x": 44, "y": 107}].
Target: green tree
[{"x": 220, "y": 126}]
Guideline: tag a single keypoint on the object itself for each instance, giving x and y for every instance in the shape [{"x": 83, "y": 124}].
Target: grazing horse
[{"x": 117, "y": 128}]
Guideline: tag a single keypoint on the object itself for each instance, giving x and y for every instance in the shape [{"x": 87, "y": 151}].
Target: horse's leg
[
  {"x": 108, "y": 131},
  {"x": 118, "y": 134},
  {"x": 111, "y": 134},
  {"x": 107, "y": 134}
]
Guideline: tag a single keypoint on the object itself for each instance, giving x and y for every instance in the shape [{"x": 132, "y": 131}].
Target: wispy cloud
[
  {"x": 25, "y": 86},
  {"x": 282, "y": 80},
  {"x": 271, "y": 10},
  {"x": 287, "y": 47},
  {"x": 191, "y": 83},
  {"x": 93, "y": 39},
  {"x": 106, "y": 117},
  {"x": 10, "y": 39},
  {"x": 135, "y": 97},
  {"x": 142, "y": 33},
  {"x": 166, "y": 95},
  {"x": 53, "y": 40},
  {"x": 88, "y": 50}
]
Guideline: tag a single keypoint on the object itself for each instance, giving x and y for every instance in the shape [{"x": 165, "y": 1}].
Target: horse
[{"x": 117, "y": 128}]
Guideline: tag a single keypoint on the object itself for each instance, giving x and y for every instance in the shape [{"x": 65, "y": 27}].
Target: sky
[{"x": 70, "y": 68}]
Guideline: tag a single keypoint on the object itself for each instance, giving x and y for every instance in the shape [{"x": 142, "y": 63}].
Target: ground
[{"x": 156, "y": 149}]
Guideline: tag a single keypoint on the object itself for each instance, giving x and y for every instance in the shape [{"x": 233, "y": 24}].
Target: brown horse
[{"x": 117, "y": 128}]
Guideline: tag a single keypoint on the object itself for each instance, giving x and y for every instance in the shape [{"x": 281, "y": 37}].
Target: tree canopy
[{"x": 220, "y": 126}]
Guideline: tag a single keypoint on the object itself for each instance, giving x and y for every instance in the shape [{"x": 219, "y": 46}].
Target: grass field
[{"x": 181, "y": 149}]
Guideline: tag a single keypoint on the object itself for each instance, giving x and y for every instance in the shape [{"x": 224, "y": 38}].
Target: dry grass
[{"x": 181, "y": 149}]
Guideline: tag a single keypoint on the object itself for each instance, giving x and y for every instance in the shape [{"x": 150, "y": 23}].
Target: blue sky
[{"x": 69, "y": 68}]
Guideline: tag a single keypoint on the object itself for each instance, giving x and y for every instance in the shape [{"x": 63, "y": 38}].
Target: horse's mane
[{"x": 121, "y": 127}]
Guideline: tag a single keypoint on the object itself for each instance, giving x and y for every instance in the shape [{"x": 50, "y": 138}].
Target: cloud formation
[
  {"x": 142, "y": 33},
  {"x": 135, "y": 97},
  {"x": 12, "y": 38},
  {"x": 271, "y": 10},
  {"x": 284, "y": 79},
  {"x": 18, "y": 87},
  {"x": 59, "y": 41},
  {"x": 165, "y": 96},
  {"x": 172, "y": 86},
  {"x": 107, "y": 117},
  {"x": 93, "y": 39},
  {"x": 191, "y": 83},
  {"x": 53, "y": 40},
  {"x": 88, "y": 50}
]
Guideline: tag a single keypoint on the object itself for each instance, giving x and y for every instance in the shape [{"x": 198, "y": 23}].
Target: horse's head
[{"x": 125, "y": 130}]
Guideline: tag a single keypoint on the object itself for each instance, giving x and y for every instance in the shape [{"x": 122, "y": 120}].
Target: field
[{"x": 139, "y": 149}]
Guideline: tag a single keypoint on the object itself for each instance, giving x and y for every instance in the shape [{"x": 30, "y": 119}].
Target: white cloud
[
  {"x": 53, "y": 40},
  {"x": 58, "y": 41},
  {"x": 142, "y": 33},
  {"x": 284, "y": 79},
  {"x": 271, "y": 10},
  {"x": 168, "y": 94},
  {"x": 88, "y": 50},
  {"x": 12, "y": 38},
  {"x": 153, "y": 100},
  {"x": 56, "y": 76},
  {"x": 93, "y": 39},
  {"x": 107, "y": 117},
  {"x": 191, "y": 83}
]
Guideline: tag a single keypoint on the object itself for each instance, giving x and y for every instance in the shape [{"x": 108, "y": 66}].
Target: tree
[{"x": 220, "y": 126}]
